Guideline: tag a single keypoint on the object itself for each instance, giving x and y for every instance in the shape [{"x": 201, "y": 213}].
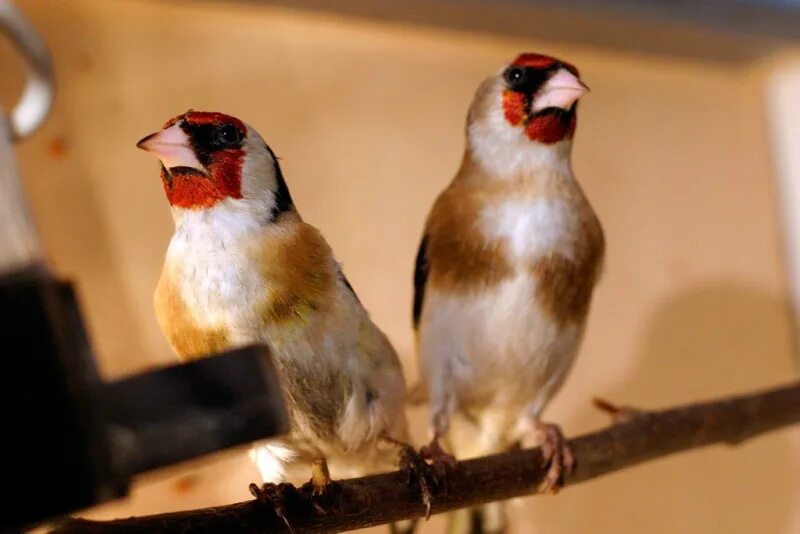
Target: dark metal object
[
  {"x": 70, "y": 441},
  {"x": 184, "y": 411}
]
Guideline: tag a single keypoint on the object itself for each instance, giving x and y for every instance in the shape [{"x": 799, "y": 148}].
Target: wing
[
  {"x": 420, "y": 278},
  {"x": 346, "y": 283}
]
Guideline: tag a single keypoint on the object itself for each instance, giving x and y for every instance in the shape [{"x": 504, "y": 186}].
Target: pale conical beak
[
  {"x": 560, "y": 91},
  {"x": 173, "y": 147}
]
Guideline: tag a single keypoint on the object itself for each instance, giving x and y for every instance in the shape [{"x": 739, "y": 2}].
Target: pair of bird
[{"x": 504, "y": 276}]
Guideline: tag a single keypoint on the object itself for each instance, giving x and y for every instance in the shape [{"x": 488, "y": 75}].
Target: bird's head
[
  {"x": 529, "y": 104},
  {"x": 209, "y": 158}
]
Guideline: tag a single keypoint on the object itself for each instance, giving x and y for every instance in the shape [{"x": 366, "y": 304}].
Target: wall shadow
[{"x": 713, "y": 340}]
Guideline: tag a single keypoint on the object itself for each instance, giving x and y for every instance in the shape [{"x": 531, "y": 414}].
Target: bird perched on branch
[
  {"x": 504, "y": 276},
  {"x": 243, "y": 267}
]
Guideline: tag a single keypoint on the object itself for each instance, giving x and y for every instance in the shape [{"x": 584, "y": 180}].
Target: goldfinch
[
  {"x": 504, "y": 276},
  {"x": 243, "y": 267}
]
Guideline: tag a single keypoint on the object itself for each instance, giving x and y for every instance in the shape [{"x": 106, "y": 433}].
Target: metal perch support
[{"x": 20, "y": 246}]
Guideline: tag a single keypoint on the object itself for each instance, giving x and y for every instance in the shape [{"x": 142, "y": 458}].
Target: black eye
[
  {"x": 515, "y": 76},
  {"x": 229, "y": 135}
]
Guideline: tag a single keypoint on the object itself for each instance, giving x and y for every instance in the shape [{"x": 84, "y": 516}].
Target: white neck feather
[
  {"x": 222, "y": 225},
  {"x": 506, "y": 152}
]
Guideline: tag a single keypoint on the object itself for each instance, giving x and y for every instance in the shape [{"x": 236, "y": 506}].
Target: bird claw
[
  {"x": 428, "y": 477},
  {"x": 441, "y": 462},
  {"x": 320, "y": 477},
  {"x": 416, "y": 469},
  {"x": 432, "y": 466},
  {"x": 557, "y": 455},
  {"x": 274, "y": 496},
  {"x": 324, "y": 492}
]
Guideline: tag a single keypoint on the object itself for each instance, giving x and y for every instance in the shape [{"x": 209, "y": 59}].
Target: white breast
[
  {"x": 477, "y": 340},
  {"x": 217, "y": 278},
  {"x": 531, "y": 228}
]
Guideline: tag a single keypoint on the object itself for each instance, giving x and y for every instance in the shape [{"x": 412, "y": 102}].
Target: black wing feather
[
  {"x": 347, "y": 283},
  {"x": 420, "y": 278},
  {"x": 283, "y": 199}
]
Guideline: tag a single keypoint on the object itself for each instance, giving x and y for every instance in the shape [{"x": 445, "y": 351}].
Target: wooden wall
[{"x": 367, "y": 118}]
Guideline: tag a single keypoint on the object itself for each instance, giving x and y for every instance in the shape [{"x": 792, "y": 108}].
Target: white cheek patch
[
  {"x": 531, "y": 228},
  {"x": 258, "y": 170}
]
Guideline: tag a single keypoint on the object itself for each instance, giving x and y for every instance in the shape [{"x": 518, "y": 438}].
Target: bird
[
  {"x": 503, "y": 279},
  {"x": 243, "y": 267}
]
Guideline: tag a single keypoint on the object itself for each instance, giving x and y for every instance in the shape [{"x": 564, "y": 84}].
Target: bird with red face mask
[
  {"x": 510, "y": 254},
  {"x": 243, "y": 267}
]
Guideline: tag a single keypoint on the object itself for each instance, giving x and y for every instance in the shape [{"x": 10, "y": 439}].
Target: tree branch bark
[{"x": 385, "y": 498}]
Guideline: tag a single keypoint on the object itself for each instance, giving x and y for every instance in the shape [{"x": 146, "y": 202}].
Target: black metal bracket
[{"x": 72, "y": 441}]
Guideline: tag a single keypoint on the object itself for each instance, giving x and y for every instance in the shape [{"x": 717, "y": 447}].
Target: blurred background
[{"x": 685, "y": 147}]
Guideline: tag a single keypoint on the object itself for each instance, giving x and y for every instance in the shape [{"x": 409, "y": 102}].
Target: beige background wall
[{"x": 367, "y": 118}]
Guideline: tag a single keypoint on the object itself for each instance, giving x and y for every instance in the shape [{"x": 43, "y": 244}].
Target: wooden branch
[{"x": 385, "y": 498}]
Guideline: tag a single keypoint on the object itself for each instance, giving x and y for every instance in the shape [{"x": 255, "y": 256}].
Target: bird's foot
[
  {"x": 441, "y": 462},
  {"x": 427, "y": 477},
  {"x": 557, "y": 455},
  {"x": 618, "y": 414},
  {"x": 324, "y": 492},
  {"x": 417, "y": 470},
  {"x": 320, "y": 477},
  {"x": 275, "y": 496}
]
